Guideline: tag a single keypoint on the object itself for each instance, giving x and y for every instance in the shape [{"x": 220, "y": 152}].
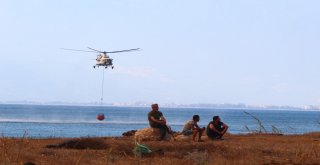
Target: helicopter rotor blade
[
  {"x": 128, "y": 50},
  {"x": 95, "y": 50},
  {"x": 78, "y": 50}
]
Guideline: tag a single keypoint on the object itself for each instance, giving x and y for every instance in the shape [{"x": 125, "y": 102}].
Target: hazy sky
[{"x": 207, "y": 51}]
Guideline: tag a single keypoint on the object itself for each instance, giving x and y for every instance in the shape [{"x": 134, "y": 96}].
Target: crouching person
[
  {"x": 216, "y": 129},
  {"x": 192, "y": 128},
  {"x": 157, "y": 120}
]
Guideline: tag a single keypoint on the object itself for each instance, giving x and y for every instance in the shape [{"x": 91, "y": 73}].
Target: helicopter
[{"x": 102, "y": 58}]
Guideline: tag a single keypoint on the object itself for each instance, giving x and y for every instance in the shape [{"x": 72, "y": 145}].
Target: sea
[{"x": 54, "y": 121}]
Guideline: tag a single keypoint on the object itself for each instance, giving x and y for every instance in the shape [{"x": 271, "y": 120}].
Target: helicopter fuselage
[{"x": 103, "y": 60}]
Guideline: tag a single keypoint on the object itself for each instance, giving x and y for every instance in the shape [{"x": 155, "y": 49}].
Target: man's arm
[
  {"x": 225, "y": 128},
  {"x": 196, "y": 125},
  {"x": 162, "y": 121},
  {"x": 214, "y": 129}
]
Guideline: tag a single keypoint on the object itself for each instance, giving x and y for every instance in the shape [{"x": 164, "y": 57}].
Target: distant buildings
[{"x": 172, "y": 105}]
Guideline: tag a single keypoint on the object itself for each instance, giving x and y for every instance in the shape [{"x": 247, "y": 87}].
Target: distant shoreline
[{"x": 271, "y": 108}]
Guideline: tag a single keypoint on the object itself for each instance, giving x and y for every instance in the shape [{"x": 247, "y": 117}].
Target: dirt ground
[{"x": 234, "y": 149}]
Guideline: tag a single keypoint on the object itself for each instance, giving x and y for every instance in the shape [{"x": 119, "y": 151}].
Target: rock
[
  {"x": 181, "y": 137},
  {"x": 81, "y": 143},
  {"x": 148, "y": 134},
  {"x": 129, "y": 133},
  {"x": 29, "y": 163}
]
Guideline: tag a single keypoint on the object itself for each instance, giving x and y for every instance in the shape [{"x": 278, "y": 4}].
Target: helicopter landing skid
[{"x": 106, "y": 67}]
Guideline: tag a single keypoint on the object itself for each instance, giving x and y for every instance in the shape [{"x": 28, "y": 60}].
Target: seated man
[
  {"x": 157, "y": 120},
  {"x": 216, "y": 129},
  {"x": 192, "y": 128}
]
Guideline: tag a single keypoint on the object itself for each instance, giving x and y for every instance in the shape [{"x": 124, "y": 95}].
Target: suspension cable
[{"x": 102, "y": 85}]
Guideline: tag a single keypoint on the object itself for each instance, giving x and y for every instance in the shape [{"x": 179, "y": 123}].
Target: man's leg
[
  {"x": 194, "y": 134},
  {"x": 224, "y": 131},
  {"x": 200, "y": 133},
  {"x": 214, "y": 135},
  {"x": 163, "y": 131}
]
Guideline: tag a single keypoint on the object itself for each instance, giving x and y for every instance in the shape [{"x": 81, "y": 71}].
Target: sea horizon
[{"x": 223, "y": 106}]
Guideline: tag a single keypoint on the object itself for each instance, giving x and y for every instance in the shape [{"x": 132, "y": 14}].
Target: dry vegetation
[{"x": 235, "y": 149}]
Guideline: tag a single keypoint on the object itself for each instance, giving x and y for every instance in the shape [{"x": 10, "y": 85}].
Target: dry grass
[{"x": 235, "y": 149}]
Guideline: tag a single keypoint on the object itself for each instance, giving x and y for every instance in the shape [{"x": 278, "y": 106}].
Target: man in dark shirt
[
  {"x": 216, "y": 129},
  {"x": 157, "y": 120}
]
